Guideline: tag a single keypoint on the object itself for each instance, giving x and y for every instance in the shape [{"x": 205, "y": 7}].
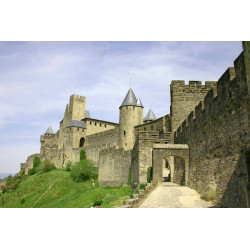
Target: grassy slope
[{"x": 64, "y": 192}]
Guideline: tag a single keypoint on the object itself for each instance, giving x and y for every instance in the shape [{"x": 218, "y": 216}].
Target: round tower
[{"x": 131, "y": 115}]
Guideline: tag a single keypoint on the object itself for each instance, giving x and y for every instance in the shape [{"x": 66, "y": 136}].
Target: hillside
[{"x": 56, "y": 189}]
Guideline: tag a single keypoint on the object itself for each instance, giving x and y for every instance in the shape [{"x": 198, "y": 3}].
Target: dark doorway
[
  {"x": 82, "y": 141},
  {"x": 166, "y": 171}
]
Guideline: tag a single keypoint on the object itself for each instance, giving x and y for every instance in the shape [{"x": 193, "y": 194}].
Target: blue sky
[{"x": 37, "y": 78}]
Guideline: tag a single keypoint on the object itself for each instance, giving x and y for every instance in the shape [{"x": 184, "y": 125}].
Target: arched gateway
[{"x": 164, "y": 151}]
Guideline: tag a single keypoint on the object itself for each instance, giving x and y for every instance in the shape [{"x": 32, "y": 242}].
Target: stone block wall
[
  {"x": 29, "y": 163},
  {"x": 218, "y": 136},
  {"x": 114, "y": 167},
  {"x": 160, "y": 124},
  {"x": 184, "y": 98},
  {"x": 179, "y": 171},
  {"x": 103, "y": 140}
]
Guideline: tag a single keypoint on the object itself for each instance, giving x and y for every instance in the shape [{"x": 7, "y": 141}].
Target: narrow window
[
  {"x": 100, "y": 124},
  {"x": 152, "y": 127},
  {"x": 144, "y": 129},
  {"x": 95, "y": 123},
  {"x": 124, "y": 132},
  {"x": 105, "y": 125},
  {"x": 90, "y": 123}
]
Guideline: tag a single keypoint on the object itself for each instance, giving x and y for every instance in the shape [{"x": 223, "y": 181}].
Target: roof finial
[{"x": 130, "y": 82}]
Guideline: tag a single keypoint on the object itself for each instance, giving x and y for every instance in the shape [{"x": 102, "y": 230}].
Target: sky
[{"x": 37, "y": 79}]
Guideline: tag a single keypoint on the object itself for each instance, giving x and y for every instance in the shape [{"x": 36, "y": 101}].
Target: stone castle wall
[
  {"x": 160, "y": 124},
  {"x": 217, "y": 134},
  {"x": 97, "y": 142},
  {"x": 114, "y": 167},
  {"x": 184, "y": 98},
  {"x": 29, "y": 163}
]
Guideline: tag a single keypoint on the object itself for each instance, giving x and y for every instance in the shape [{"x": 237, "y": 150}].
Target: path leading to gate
[{"x": 170, "y": 195}]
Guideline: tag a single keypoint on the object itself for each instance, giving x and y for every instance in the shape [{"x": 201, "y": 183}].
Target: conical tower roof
[
  {"x": 138, "y": 102},
  {"x": 130, "y": 99},
  {"x": 150, "y": 116},
  {"x": 49, "y": 131},
  {"x": 87, "y": 114}
]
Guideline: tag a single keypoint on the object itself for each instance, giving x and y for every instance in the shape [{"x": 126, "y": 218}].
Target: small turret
[
  {"x": 49, "y": 131},
  {"x": 138, "y": 102},
  {"x": 131, "y": 115},
  {"x": 150, "y": 116}
]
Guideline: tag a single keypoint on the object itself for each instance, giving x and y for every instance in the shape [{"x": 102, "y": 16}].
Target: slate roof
[
  {"x": 49, "y": 131},
  {"x": 86, "y": 114},
  {"x": 78, "y": 124},
  {"x": 138, "y": 102},
  {"x": 150, "y": 116},
  {"x": 130, "y": 99}
]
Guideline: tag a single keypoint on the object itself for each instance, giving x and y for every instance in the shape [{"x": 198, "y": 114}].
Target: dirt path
[
  {"x": 170, "y": 195},
  {"x": 44, "y": 193}
]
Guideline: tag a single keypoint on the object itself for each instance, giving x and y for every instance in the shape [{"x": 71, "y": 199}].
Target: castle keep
[{"x": 204, "y": 141}]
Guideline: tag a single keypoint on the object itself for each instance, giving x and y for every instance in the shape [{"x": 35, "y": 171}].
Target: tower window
[
  {"x": 124, "y": 133},
  {"x": 145, "y": 129},
  {"x": 152, "y": 127},
  {"x": 105, "y": 125},
  {"x": 100, "y": 124},
  {"x": 95, "y": 123},
  {"x": 90, "y": 123}
]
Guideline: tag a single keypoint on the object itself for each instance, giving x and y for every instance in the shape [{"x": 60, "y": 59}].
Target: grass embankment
[{"x": 63, "y": 193}]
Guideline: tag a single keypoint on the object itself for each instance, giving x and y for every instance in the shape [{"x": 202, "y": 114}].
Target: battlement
[
  {"x": 78, "y": 98},
  {"x": 230, "y": 89},
  {"x": 193, "y": 84},
  {"x": 184, "y": 98}
]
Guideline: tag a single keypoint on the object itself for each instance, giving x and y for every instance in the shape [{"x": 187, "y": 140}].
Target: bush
[
  {"x": 143, "y": 186},
  {"x": 84, "y": 170},
  {"x": 83, "y": 155},
  {"x": 22, "y": 200},
  {"x": 31, "y": 171},
  {"x": 11, "y": 183},
  {"x": 47, "y": 166},
  {"x": 36, "y": 162},
  {"x": 68, "y": 166},
  {"x": 149, "y": 174},
  {"x": 97, "y": 199}
]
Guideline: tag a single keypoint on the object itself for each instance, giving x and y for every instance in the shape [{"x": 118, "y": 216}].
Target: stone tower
[{"x": 131, "y": 115}]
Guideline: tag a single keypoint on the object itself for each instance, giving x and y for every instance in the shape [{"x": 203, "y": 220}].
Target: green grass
[{"x": 64, "y": 192}]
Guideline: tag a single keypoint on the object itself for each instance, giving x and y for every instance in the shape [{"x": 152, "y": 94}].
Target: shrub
[
  {"x": 84, "y": 170},
  {"x": 22, "y": 200},
  {"x": 68, "y": 166},
  {"x": 36, "y": 162},
  {"x": 97, "y": 199},
  {"x": 47, "y": 166},
  {"x": 31, "y": 171},
  {"x": 143, "y": 186},
  {"x": 83, "y": 155},
  {"x": 149, "y": 174}
]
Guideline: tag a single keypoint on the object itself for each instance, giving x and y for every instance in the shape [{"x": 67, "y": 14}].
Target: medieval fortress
[{"x": 204, "y": 141}]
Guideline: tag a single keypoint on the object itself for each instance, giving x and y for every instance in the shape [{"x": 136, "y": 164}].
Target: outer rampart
[
  {"x": 217, "y": 134},
  {"x": 114, "y": 167}
]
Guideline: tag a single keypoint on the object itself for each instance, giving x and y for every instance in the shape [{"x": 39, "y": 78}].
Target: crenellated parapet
[{"x": 184, "y": 98}]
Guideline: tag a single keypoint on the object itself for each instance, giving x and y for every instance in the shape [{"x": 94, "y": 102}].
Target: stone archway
[{"x": 163, "y": 151}]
